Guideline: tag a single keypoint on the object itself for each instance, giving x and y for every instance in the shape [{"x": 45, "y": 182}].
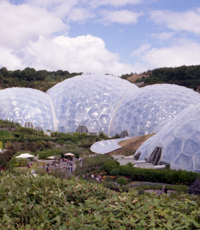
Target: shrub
[
  {"x": 115, "y": 172},
  {"x": 140, "y": 191},
  {"x": 109, "y": 185},
  {"x": 122, "y": 180},
  {"x": 125, "y": 188},
  {"x": 110, "y": 165}
]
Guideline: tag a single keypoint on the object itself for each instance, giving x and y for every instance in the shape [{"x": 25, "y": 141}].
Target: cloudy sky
[{"x": 99, "y": 36}]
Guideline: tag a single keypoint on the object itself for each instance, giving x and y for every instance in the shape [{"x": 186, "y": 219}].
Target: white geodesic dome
[
  {"x": 28, "y": 107},
  {"x": 140, "y": 112},
  {"x": 179, "y": 141},
  {"x": 87, "y": 103}
]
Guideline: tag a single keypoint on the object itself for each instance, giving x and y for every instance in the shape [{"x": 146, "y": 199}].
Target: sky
[{"x": 99, "y": 36}]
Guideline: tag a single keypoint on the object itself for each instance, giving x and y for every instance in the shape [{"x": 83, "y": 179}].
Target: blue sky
[{"x": 99, "y": 36}]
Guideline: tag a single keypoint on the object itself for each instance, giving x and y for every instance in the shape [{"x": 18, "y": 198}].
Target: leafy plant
[{"x": 122, "y": 180}]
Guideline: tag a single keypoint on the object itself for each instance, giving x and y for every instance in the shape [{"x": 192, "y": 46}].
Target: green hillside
[
  {"x": 188, "y": 76},
  {"x": 30, "y": 78}
]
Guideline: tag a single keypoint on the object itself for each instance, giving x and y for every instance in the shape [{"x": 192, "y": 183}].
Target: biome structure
[
  {"x": 95, "y": 103},
  {"x": 177, "y": 144}
]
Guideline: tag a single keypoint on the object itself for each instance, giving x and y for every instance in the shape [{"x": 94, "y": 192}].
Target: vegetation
[
  {"x": 188, "y": 76},
  {"x": 30, "y": 78},
  {"x": 112, "y": 170},
  {"x": 46, "y": 202}
]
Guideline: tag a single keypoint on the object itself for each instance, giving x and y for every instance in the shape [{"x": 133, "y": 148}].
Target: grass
[{"x": 5, "y": 134}]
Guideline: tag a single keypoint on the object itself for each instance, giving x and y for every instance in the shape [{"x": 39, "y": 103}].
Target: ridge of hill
[{"x": 188, "y": 76}]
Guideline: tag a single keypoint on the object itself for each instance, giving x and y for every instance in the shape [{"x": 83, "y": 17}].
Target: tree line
[
  {"x": 31, "y": 78},
  {"x": 188, "y": 76}
]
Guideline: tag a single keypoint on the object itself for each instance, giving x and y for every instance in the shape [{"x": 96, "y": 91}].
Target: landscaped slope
[{"x": 46, "y": 202}]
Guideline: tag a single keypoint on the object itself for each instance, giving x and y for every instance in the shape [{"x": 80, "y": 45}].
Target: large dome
[
  {"x": 86, "y": 103},
  {"x": 140, "y": 112},
  {"x": 178, "y": 141},
  {"x": 28, "y": 107}
]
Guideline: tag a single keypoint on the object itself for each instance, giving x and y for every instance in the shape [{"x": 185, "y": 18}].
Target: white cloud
[
  {"x": 178, "y": 21},
  {"x": 7, "y": 58},
  {"x": 163, "y": 36},
  {"x": 184, "y": 53},
  {"x": 80, "y": 54},
  {"x": 142, "y": 49},
  {"x": 120, "y": 16},
  {"x": 97, "y": 3},
  {"x": 22, "y": 23},
  {"x": 80, "y": 14}
]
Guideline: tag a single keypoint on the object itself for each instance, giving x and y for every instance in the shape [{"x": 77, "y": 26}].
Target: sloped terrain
[{"x": 130, "y": 146}]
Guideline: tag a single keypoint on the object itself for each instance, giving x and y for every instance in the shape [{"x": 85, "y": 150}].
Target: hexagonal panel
[
  {"x": 82, "y": 119},
  {"x": 93, "y": 126},
  {"x": 71, "y": 126},
  {"x": 94, "y": 113},
  {"x": 104, "y": 120},
  {"x": 83, "y": 107}
]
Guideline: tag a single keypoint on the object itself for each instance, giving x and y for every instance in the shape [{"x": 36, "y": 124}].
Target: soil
[
  {"x": 130, "y": 146},
  {"x": 134, "y": 77}
]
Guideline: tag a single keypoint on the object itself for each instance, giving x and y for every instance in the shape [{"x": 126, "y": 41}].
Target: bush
[
  {"x": 110, "y": 165},
  {"x": 122, "y": 180},
  {"x": 115, "y": 172},
  {"x": 125, "y": 188},
  {"x": 109, "y": 185},
  {"x": 140, "y": 191}
]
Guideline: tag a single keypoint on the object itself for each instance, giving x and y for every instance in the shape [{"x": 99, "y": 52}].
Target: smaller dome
[
  {"x": 30, "y": 108},
  {"x": 179, "y": 141}
]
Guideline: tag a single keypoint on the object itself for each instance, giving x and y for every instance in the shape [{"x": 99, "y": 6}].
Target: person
[
  {"x": 165, "y": 189},
  {"x": 33, "y": 173},
  {"x": 159, "y": 192}
]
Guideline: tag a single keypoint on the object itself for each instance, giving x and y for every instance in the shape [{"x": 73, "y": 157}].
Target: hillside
[
  {"x": 30, "y": 78},
  {"x": 188, "y": 76}
]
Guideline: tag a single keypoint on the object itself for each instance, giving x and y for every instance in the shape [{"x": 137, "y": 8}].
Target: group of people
[
  {"x": 97, "y": 177},
  {"x": 161, "y": 191}
]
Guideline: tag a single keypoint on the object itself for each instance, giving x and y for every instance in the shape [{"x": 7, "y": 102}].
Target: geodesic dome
[
  {"x": 86, "y": 103},
  {"x": 178, "y": 140},
  {"x": 139, "y": 113},
  {"x": 28, "y": 107}
]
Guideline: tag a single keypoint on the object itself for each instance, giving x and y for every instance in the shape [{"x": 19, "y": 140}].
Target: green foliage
[
  {"x": 103, "y": 136},
  {"x": 122, "y": 180},
  {"x": 5, "y": 134},
  {"x": 109, "y": 185},
  {"x": 188, "y": 76},
  {"x": 124, "y": 188},
  {"x": 46, "y": 202},
  {"x": 115, "y": 172},
  {"x": 29, "y": 77},
  {"x": 17, "y": 162},
  {"x": 51, "y": 152},
  {"x": 158, "y": 176},
  {"x": 140, "y": 191},
  {"x": 5, "y": 158},
  {"x": 110, "y": 165},
  {"x": 93, "y": 163}
]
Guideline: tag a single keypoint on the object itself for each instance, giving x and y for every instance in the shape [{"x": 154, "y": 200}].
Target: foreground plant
[{"x": 46, "y": 202}]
